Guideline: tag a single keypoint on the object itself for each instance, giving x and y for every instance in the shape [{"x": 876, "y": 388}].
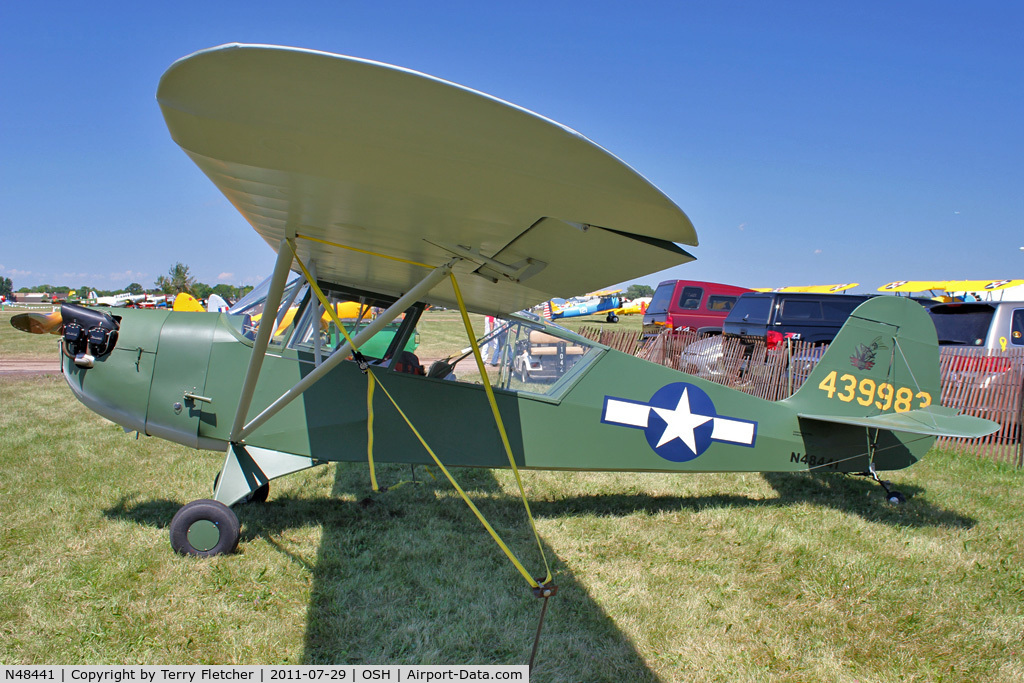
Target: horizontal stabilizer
[{"x": 933, "y": 421}]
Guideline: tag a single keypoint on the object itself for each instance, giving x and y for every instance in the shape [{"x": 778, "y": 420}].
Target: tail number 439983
[{"x": 865, "y": 392}]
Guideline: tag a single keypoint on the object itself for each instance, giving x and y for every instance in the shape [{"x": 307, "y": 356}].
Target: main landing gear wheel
[
  {"x": 204, "y": 528},
  {"x": 612, "y": 318}
]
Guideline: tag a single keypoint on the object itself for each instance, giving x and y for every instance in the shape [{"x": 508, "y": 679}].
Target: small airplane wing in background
[
  {"x": 981, "y": 285},
  {"x": 359, "y": 160},
  {"x": 908, "y": 286},
  {"x": 811, "y": 289}
]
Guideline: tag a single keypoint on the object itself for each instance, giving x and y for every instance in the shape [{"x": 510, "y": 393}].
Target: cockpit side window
[{"x": 521, "y": 354}]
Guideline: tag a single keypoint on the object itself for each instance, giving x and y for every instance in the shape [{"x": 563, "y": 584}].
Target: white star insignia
[{"x": 680, "y": 422}]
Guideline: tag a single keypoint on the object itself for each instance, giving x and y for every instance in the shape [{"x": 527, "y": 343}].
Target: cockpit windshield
[
  {"x": 318, "y": 331},
  {"x": 247, "y": 313}
]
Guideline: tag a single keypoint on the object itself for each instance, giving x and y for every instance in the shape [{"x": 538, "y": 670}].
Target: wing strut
[{"x": 259, "y": 348}]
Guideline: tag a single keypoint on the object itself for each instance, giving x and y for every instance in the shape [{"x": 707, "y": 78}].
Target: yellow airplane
[{"x": 637, "y": 306}]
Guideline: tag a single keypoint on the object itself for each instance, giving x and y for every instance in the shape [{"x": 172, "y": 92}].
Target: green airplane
[{"x": 398, "y": 190}]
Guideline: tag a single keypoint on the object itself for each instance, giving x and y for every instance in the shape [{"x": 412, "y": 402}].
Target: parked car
[
  {"x": 989, "y": 324},
  {"x": 690, "y": 305},
  {"x": 979, "y": 332},
  {"x": 703, "y": 358},
  {"x": 774, "y": 316}
]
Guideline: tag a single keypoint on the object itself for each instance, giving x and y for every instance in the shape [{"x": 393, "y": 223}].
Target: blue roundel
[{"x": 680, "y": 423}]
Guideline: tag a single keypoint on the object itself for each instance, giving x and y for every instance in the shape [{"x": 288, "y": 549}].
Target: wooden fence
[{"x": 975, "y": 381}]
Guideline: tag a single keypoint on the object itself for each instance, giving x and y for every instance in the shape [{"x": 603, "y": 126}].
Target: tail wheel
[{"x": 204, "y": 528}]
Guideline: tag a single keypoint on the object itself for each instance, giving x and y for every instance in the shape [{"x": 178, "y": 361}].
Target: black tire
[
  {"x": 612, "y": 318},
  {"x": 204, "y": 528}
]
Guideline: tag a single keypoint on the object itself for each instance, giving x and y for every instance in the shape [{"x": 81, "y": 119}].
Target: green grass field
[
  {"x": 16, "y": 344},
  {"x": 734, "y": 577}
]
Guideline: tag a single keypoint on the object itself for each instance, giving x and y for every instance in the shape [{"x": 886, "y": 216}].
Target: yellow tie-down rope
[
  {"x": 504, "y": 435},
  {"x": 355, "y": 350},
  {"x": 541, "y": 588}
]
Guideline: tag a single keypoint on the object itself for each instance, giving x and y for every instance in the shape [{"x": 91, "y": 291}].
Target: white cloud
[
  {"x": 127, "y": 276},
  {"x": 225, "y": 277},
  {"x": 817, "y": 251},
  {"x": 742, "y": 226}
]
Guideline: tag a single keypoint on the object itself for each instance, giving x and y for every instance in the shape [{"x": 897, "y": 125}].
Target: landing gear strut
[{"x": 892, "y": 496}]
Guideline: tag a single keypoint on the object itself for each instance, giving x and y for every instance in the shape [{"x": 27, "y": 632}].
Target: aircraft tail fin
[{"x": 882, "y": 371}]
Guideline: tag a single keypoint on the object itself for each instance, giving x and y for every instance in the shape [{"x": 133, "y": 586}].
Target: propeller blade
[{"x": 38, "y": 323}]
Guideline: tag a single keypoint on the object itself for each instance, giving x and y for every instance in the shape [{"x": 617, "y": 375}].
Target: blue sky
[{"x": 810, "y": 143}]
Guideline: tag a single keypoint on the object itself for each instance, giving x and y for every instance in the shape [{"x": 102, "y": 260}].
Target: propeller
[{"x": 38, "y": 323}]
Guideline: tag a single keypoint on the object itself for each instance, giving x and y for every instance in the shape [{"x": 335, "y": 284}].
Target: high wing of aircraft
[{"x": 397, "y": 190}]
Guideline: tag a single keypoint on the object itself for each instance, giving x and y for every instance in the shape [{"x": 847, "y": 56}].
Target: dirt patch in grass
[{"x": 29, "y": 366}]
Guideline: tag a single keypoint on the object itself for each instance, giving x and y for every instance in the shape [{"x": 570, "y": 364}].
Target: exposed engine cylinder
[{"x": 88, "y": 334}]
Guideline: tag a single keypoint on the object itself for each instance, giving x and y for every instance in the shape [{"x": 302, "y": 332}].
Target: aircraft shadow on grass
[
  {"x": 386, "y": 592},
  {"x": 383, "y": 590},
  {"x": 846, "y": 494}
]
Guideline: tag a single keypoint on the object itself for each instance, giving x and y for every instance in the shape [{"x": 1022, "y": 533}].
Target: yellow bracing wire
[
  {"x": 322, "y": 298},
  {"x": 479, "y": 515},
  {"x": 361, "y": 251},
  {"x": 500, "y": 423},
  {"x": 372, "y": 380},
  {"x": 369, "y": 429}
]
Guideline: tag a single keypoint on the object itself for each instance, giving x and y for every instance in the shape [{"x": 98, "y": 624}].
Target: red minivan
[{"x": 690, "y": 305}]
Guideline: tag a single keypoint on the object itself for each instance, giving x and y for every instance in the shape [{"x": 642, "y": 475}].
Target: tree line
[{"x": 178, "y": 279}]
